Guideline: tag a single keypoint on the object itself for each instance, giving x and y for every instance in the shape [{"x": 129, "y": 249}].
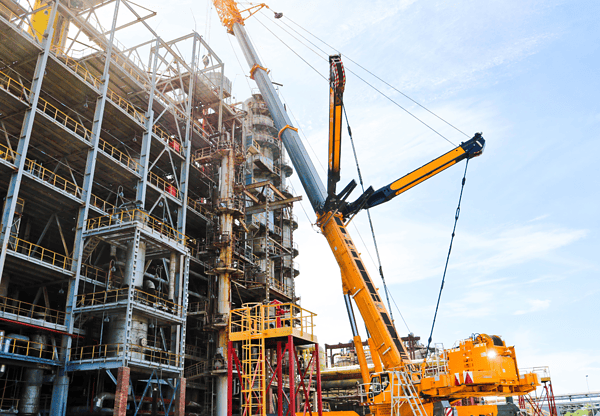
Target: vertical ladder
[
  {"x": 403, "y": 391},
  {"x": 253, "y": 377}
]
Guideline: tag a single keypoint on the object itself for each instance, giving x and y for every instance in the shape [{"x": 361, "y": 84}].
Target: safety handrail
[
  {"x": 196, "y": 369},
  {"x": 118, "y": 155},
  {"x": 40, "y": 253},
  {"x": 260, "y": 319},
  {"x": 200, "y": 208},
  {"x": 163, "y": 185},
  {"x": 135, "y": 215},
  {"x": 102, "y": 352},
  {"x": 121, "y": 102},
  {"x": 29, "y": 348},
  {"x": 139, "y": 296},
  {"x": 23, "y": 25},
  {"x": 29, "y": 310},
  {"x": 7, "y": 154},
  {"x": 52, "y": 178},
  {"x": 94, "y": 273}
]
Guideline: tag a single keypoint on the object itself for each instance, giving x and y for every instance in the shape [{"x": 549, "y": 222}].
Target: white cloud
[{"x": 535, "y": 305}]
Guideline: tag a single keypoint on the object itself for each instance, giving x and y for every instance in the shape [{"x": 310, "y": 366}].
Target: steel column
[
  {"x": 279, "y": 380},
  {"x": 24, "y": 138},
  {"x": 147, "y": 137}
]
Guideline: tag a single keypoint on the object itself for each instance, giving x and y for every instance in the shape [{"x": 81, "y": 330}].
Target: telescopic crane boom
[{"x": 333, "y": 214}]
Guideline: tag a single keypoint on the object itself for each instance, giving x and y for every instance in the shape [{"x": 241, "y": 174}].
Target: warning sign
[{"x": 468, "y": 377}]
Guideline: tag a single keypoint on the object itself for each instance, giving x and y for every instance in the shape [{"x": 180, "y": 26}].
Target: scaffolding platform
[{"x": 274, "y": 322}]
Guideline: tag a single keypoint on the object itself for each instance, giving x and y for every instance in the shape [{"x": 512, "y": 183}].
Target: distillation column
[{"x": 226, "y": 182}]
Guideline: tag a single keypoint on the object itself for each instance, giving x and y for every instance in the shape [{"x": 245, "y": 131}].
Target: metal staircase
[
  {"x": 88, "y": 248},
  {"x": 403, "y": 391}
]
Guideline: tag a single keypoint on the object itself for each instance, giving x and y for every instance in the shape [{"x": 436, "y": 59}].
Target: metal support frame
[
  {"x": 293, "y": 371},
  {"x": 23, "y": 146},
  {"x": 61, "y": 384}
]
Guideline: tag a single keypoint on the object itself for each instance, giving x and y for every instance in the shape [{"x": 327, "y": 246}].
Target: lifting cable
[
  {"x": 464, "y": 179},
  {"x": 361, "y": 78},
  {"x": 387, "y": 296}
]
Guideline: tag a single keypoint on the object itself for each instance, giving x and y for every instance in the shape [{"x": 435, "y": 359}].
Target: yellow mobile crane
[{"x": 481, "y": 366}]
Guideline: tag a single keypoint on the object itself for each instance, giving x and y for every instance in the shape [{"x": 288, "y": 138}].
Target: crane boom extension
[
  {"x": 337, "y": 82},
  {"x": 312, "y": 183},
  {"x": 467, "y": 150},
  {"x": 355, "y": 278},
  {"x": 483, "y": 379}
]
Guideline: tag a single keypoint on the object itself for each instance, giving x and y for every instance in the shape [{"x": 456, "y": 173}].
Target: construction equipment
[{"x": 480, "y": 366}]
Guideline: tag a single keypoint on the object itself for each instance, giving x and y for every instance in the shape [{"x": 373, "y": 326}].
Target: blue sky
[{"x": 525, "y": 263}]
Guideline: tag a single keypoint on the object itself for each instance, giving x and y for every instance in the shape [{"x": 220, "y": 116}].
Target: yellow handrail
[
  {"x": 24, "y": 26},
  {"x": 119, "y": 156},
  {"x": 63, "y": 184},
  {"x": 94, "y": 273},
  {"x": 29, "y": 310},
  {"x": 103, "y": 352},
  {"x": 116, "y": 295},
  {"x": 126, "y": 105},
  {"x": 53, "y": 179},
  {"x": 259, "y": 320},
  {"x": 30, "y": 348},
  {"x": 38, "y": 252},
  {"x": 200, "y": 208},
  {"x": 7, "y": 154},
  {"x": 163, "y": 185},
  {"x": 136, "y": 215},
  {"x": 101, "y": 204}
]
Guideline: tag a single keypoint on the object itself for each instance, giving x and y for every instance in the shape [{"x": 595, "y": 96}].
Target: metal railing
[
  {"x": 39, "y": 253},
  {"x": 195, "y": 308},
  {"x": 16, "y": 88},
  {"x": 121, "y": 102},
  {"x": 80, "y": 70},
  {"x": 136, "y": 215},
  {"x": 260, "y": 319},
  {"x": 23, "y": 25},
  {"x": 119, "y": 156},
  {"x": 94, "y": 273},
  {"x": 168, "y": 139},
  {"x": 52, "y": 178},
  {"x": 195, "y": 351},
  {"x": 7, "y": 154},
  {"x": 163, "y": 185},
  {"x": 101, "y": 204},
  {"x": 197, "y": 369},
  {"x": 9, "y": 404},
  {"x": 63, "y": 184},
  {"x": 29, "y": 348},
  {"x": 22, "y": 93},
  {"x": 104, "y": 352},
  {"x": 116, "y": 295},
  {"x": 231, "y": 204},
  {"x": 29, "y": 310},
  {"x": 200, "y": 208},
  {"x": 436, "y": 363}
]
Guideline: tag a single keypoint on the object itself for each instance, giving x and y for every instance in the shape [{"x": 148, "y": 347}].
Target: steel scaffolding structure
[{"x": 127, "y": 187}]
